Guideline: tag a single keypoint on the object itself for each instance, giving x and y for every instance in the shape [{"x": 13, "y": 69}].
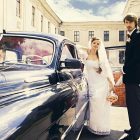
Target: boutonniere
[{"x": 128, "y": 39}]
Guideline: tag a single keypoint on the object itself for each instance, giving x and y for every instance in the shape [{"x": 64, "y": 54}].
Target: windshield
[{"x": 26, "y": 50}]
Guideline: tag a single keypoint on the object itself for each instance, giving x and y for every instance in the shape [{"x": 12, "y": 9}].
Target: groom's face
[{"x": 130, "y": 25}]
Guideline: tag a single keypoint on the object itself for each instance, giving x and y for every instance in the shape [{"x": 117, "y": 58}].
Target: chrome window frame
[{"x": 35, "y": 37}]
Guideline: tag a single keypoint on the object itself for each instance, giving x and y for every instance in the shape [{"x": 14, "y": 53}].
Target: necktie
[
  {"x": 128, "y": 38},
  {"x": 128, "y": 35}
]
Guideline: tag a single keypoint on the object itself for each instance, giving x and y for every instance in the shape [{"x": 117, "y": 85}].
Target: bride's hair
[{"x": 93, "y": 39}]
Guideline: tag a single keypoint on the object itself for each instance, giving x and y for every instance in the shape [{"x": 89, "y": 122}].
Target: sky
[{"x": 88, "y": 10}]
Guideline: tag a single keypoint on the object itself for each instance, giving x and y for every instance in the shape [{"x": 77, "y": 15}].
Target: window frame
[
  {"x": 42, "y": 19},
  {"x": 90, "y": 34},
  {"x": 49, "y": 27},
  {"x": 36, "y": 38},
  {"x": 121, "y": 35},
  {"x": 121, "y": 56},
  {"x": 74, "y": 54},
  {"x": 62, "y": 33},
  {"x": 76, "y": 36},
  {"x": 106, "y": 35},
  {"x": 33, "y": 16},
  {"x": 18, "y": 8}
]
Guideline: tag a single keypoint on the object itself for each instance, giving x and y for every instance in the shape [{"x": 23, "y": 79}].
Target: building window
[
  {"x": 55, "y": 31},
  {"x": 33, "y": 16},
  {"x": 76, "y": 36},
  {"x": 90, "y": 34},
  {"x": 41, "y": 23},
  {"x": 106, "y": 35},
  {"x": 49, "y": 28},
  {"x": 62, "y": 33},
  {"x": 121, "y": 35},
  {"x": 121, "y": 56},
  {"x": 18, "y": 8}
]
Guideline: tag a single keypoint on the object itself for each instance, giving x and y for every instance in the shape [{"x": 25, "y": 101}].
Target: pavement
[{"x": 119, "y": 122}]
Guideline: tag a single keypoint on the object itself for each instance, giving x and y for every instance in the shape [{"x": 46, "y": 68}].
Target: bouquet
[{"x": 112, "y": 97}]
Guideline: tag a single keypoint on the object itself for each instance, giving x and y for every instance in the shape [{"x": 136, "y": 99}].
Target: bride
[{"x": 101, "y": 83}]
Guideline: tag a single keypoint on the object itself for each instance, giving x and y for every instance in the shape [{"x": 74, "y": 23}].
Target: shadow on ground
[{"x": 87, "y": 135}]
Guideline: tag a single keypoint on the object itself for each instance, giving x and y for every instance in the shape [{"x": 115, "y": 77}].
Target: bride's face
[{"x": 95, "y": 44}]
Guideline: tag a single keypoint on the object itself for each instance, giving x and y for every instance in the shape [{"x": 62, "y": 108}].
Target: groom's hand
[{"x": 120, "y": 80}]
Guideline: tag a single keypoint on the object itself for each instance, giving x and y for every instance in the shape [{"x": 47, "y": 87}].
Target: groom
[{"x": 131, "y": 76}]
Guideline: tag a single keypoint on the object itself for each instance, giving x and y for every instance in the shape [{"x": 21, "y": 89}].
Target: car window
[
  {"x": 28, "y": 50},
  {"x": 68, "y": 52},
  {"x": 11, "y": 55}
]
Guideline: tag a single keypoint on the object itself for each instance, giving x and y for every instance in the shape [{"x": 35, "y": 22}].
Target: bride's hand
[{"x": 112, "y": 98}]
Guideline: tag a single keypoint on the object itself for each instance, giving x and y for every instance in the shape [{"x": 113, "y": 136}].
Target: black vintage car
[{"x": 40, "y": 80}]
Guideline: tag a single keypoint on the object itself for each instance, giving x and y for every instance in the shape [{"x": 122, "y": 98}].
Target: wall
[
  {"x": 10, "y": 22},
  {"x": 98, "y": 27}
]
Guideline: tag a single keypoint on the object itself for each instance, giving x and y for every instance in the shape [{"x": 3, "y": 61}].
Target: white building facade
[
  {"x": 112, "y": 33},
  {"x": 28, "y": 15},
  {"x": 132, "y": 6}
]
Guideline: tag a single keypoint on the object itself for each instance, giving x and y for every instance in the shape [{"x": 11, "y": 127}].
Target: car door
[
  {"x": 74, "y": 78},
  {"x": 28, "y": 102}
]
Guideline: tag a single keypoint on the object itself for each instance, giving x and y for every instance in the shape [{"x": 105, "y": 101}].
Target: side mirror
[{"x": 71, "y": 64}]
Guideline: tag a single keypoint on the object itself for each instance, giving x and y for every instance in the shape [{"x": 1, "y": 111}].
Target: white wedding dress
[{"x": 99, "y": 107}]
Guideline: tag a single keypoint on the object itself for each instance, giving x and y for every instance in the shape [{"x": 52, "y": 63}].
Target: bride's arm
[
  {"x": 105, "y": 74},
  {"x": 111, "y": 86}
]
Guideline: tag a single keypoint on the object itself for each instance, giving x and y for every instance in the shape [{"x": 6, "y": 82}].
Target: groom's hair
[{"x": 132, "y": 18}]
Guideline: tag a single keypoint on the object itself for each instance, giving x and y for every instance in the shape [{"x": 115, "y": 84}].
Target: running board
[{"x": 74, "y": 121}]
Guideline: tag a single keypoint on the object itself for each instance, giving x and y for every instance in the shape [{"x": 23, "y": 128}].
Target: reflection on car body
[{"x": 40, "y": 78}]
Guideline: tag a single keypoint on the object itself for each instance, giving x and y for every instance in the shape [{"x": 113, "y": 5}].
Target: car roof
[{"x": 55, "y": 37}]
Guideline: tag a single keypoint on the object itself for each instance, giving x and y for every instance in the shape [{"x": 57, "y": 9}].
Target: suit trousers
[{"x": 133, "y": 107}]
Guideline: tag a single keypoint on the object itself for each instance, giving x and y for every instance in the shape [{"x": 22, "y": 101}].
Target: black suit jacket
[{"x": 131, "y": 66}]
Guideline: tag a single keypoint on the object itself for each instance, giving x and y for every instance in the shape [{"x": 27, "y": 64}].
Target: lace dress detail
[{"x": 99, "y": 107}]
